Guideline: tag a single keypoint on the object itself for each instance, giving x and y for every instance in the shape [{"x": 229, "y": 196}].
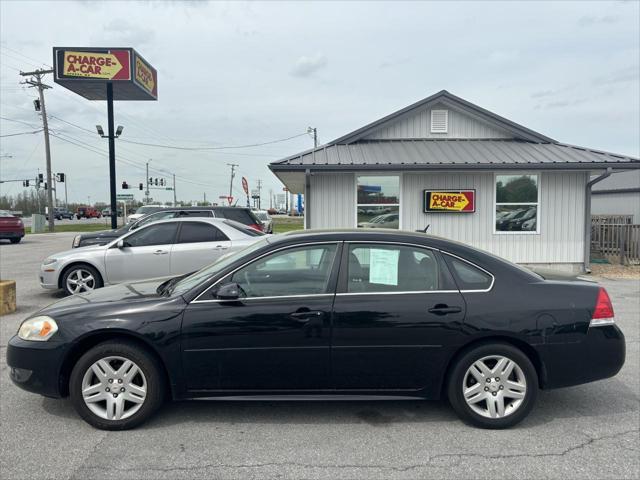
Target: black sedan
[{"x": 351, "y": 315}]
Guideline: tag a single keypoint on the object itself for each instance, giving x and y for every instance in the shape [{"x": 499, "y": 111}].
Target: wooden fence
[{"x": 617, "y": 242}]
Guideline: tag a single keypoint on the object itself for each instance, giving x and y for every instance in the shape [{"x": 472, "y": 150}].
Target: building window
[
  {"x": 378, "y": 199},
  {"x": 517, "y": 204}
]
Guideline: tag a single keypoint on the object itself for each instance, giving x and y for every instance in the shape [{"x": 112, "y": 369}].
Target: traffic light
[
  {"x": 36, "y": 105},
  {"x": 60, "y": 177},
  {"x": 162, "y": 182},
  {"x": 141, "y": 187},
  {"x": 40, "y": 178},
  {"x": 156, "y": 182},
  {"x": 150, "y": 180},
  {"x": 45, "y": 185},
  {"x": 125, "y": 185}
]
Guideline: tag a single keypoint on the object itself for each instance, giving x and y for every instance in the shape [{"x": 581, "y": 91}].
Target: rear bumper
[
  {"x": 35, "y": 366},
  {"x": 12, "y": 234},
  {"x": 601, "y": 355}
]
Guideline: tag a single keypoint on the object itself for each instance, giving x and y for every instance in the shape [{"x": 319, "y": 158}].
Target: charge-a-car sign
[
  {"x": 110, "y": 65},
  {"x": 457, "y": 201}
]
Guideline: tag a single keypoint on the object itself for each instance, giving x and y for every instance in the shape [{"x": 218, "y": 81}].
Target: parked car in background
[
  {"x": 105, "y": 236},
  {"x": 107, "y": 212},
  {"x": 265, "y": 219},
  {"x": 166, "y": 247},
  {"x": 388, "y": 220},
  {"x": 142, "y": 211},
  {"x": 88, "y": 212},
  {"x": 60, "y": 213},
  {"x": 272, "y": 211},
  {"x": 11, "y": 227},
  {"x": 367, "y": 312}
]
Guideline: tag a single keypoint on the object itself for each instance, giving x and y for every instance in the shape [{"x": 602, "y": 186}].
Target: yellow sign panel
[
  {"x": 448, "y": 201},
  {"x": 91, "y": 65},
  {"x": 144, "y": 75}
]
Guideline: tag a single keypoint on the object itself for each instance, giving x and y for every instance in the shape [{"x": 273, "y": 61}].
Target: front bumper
[
  {"x": 600, "y": 355},
  {"x": 49, "y": 279},
  {"x": 36, "y": 366}
]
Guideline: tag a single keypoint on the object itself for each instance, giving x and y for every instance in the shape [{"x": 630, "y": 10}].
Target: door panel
[
  {"x": 396, "y": 312},
  {"x": 189, "y": 257},
  {"x": 276, "y": 337}
]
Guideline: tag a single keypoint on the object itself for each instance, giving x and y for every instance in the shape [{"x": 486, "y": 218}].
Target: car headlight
[
  {"x": 50, "y": 261},
  {"x": 76, "y": 241},
  {"x": 38, "y": 329}
]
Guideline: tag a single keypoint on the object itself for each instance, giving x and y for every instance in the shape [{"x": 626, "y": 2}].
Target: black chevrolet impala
[{"x": 335, "y": 315}]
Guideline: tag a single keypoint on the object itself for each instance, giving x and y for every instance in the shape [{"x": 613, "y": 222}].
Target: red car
[
  {"x": 11, "y": 227},
  {"x": 88, "y": 212}
]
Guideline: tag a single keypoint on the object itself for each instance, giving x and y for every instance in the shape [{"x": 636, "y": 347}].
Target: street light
[{"x": 101, "y": 131}]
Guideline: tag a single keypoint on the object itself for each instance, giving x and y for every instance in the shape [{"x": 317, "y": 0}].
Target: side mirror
[
  {"x": 230, "y": 291},
  {"x": 121, "y": 244}
]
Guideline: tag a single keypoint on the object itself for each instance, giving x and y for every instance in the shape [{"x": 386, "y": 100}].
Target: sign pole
[{"x": 112, "y": 157}]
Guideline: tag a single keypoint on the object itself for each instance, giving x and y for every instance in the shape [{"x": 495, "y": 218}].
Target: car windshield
[
  {"x": 4, "y": 213},
  {"x": 195, "y": 279}
]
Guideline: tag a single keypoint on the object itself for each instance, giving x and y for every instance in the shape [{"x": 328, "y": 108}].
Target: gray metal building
[
  {"x": 431, "y": 162},
  {"x": 618, "y": 195}
]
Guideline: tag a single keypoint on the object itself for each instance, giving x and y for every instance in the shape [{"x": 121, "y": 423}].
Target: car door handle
[
  {"x": 308, "y": 314},
  {"x": 220, "y": 247},
  {"x": 160, "y": 252},
  {"x": 442, "y": 309}
]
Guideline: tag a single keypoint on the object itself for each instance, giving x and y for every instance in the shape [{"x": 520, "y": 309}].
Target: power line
[
  {"x": 25, "y": 56},
  {"x": 17, "y": 121},
  {"x": 21, "y": 133},
  {"x": 214, "y": 148}
]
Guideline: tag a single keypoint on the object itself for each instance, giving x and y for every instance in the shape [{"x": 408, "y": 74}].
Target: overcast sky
[{"x": 243, "y": 73}]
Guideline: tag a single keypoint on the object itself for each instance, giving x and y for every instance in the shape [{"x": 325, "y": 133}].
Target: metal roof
[{"x": 421, "y": 154}]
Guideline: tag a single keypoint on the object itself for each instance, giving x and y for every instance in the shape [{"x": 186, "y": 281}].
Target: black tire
[
  {"x": 15, "y": 240},
  {"x": 155, "y": 384},
  {"x": 456, "y": 379},
  {"x": 81, "y": 266}
]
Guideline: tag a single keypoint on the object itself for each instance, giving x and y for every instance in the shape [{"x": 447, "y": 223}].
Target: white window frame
[
  {"x": 378, "y": 174},
  {"x": 536, "y": 203}
]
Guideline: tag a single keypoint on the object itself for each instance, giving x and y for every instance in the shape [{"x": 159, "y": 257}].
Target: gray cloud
[
  {"x": 307, "y": 66},
  {"x": 122, "y": 32},
  {"x": 629, "y": 74},
  {"x": 589, "y": 20}
]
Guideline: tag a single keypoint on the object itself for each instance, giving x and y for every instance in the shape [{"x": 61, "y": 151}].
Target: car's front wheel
[
  {"x": 81, "y": 279},
  {"x": 493, "y": 386},
  {"x": 116, "y": 386}
]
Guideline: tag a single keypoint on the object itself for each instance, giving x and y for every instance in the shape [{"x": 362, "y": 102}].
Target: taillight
[
  {"x": 603, "y": 313},
  {"x": 257, "y": 226}
]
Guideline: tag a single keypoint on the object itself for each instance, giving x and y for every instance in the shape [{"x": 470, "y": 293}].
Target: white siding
[
  {"x": 561, "y": 216},
  {"x": 617, "y": 204},
  {"x": 332, "y": 201},
  {"x": 418, "y": 125}
]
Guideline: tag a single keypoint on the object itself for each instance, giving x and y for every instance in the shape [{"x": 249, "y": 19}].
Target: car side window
[
  {"x": 391, "y": 268},
  {"x": 295, "y": 271},
  {"x": 162, "y": 234},
  {"x": 469, "y": 277},
  {"x": 197, "y": 232},
  {"x": 154, "y": 218}
]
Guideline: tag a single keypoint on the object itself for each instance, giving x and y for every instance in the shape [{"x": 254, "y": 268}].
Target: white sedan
[{"x": 164, "y": 248}]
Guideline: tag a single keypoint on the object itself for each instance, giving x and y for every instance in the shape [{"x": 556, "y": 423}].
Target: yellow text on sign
[
  {"x": 144, "y": 75},
  {"x": 448, "y": 201},
  {"x": 92, "y": 65}
]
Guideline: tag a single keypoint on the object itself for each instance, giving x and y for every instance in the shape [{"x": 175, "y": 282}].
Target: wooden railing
[{"x": 619, "y": 242}]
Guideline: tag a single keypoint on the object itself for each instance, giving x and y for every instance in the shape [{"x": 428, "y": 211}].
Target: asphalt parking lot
[{"x": 589, "y": 431}]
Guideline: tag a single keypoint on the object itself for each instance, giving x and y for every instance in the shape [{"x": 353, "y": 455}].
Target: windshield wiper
[{"x": 168, "y": 286}]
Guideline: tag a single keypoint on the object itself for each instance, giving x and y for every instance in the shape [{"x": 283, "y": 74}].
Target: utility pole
[
  {"x": 146, "y": 200},
  {"x": 233, "y": 174},
  {"x": 66, "y": 199},
  {"x": 314, "y": 133},
  {"x": 259, "y": 195},
  {"x": 36, "y": 81},
  {"x": 175, "y": 202}
]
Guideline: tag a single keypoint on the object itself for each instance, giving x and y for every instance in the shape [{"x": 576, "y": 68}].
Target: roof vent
[{"x": 439, "y": 121}]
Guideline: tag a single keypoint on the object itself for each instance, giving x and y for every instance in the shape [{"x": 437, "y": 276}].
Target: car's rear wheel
[
  {"x": 116, "y": 386},
  {"x": 15, "y": 240},
  {"x": 81, "y": 279},
  {"x": 493, "y": 386}
]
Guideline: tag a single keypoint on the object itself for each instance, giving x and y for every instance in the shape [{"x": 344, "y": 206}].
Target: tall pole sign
[
  {"x": 106, "y": 74},
  {"x": 245, "y": 187}
]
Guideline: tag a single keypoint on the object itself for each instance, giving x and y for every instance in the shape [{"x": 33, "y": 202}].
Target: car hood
[
  {"x": 124, "y": 293},
  {"x": 102, "y": 233},
  {"x": 77, "y": 251}
]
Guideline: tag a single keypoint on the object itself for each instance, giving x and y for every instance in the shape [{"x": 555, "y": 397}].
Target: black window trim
[
  {"x": 153, "y": 224},
  {"x": 493, "y": 278},
  {"x": 332, "y": 284}
]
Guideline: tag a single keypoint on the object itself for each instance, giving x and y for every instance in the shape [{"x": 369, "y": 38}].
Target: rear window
[
  {"x": 241, "y": 215},
  {"x": 196, "y": 232},
  {"x": 469, "y": 277},
  {"x": 252, "y": 232}
]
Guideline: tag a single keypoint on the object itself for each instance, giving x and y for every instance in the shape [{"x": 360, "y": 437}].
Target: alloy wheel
[
  {"x": 114, "y": 388},
  {"x": 80, "y": 280},
  {"x": 494, "y": 386}
]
